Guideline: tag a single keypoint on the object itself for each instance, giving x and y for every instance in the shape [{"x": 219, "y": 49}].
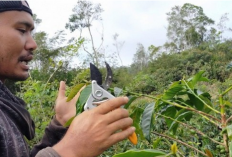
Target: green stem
[
  {"x": 191, "y": 127},
  {"x": 216, "y": 111},
  {"x": 179, "y": 141},
  {"x": 200, "y": 112},
  {"x": 53, "y": 74},
  {"x": 191, "y": 109},
  {"x": 224, "y": 120},
  {"x": 222, "y": 106},
  {"x": 177, "y": 105},
  {"x": 226, "y": 91}
]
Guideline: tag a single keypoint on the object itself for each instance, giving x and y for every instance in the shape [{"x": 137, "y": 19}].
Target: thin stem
[
  {"x": 200, "y": 98},
  {"x": 228, "y": 119},
  {"x": 203, "y": 114},
  {"x": 178, "y": 105},
  {"x": 53, "y": 74},
  {"x": 227, "y": 90},
  {"x": 191, "y": 127},
  {"x": 179, "y": 141},
  {"x": 200, "y": 112}
]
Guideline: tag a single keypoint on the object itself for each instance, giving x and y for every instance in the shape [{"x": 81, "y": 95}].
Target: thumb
[{"x": 62, "y": 88}]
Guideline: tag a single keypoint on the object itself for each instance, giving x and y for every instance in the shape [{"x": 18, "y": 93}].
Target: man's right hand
[{"x": 93, "y": 131}]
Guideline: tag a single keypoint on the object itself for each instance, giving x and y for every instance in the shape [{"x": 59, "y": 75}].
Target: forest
[{"x": 180, "y": 92}]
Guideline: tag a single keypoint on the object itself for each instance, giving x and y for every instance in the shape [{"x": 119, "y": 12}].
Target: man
[{"x": 90, "y": 133}]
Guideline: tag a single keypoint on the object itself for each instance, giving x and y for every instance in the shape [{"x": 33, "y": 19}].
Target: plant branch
[
  {"x": 228, "y": 119},
  {"x": 216, "y": 111},
  {"x": 179, "y": 141},
  {"x": 87, "y": 51},
  {"x": 200, "y": 112},
  {"x": 53, "y": 74},
  {"x": 177, "y": 105},
  {"x": 227, "y": 90},
  {"x": 191, "y": 127}
]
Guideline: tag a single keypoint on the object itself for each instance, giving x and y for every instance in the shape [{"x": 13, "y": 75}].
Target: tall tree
[
  {"x": 118, "y": 45},
  {"x": 140, "y": 59},
  {"x": 84, "y": 13},
  {"x": 187, "y": 26},
  {"x": 49, "y": 55}
]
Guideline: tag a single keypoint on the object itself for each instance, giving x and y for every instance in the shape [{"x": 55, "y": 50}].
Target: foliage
[
  {"x": 180, "y": 105},
  {"x": 135, "y": 153},
  {"x": 40, "y": 98}
]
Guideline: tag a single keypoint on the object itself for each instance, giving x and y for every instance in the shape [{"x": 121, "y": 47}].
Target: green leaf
[
  {"x": 84, "y": 95},
  {"x": 136, "y": 116},
  {"x": 156, "y": 143},
  {"x": 172, "y": 91},
  {"x": 193, "y": 101},
  {"x": 229, "y": 131},
  {"x": 170, "y": 112},
  {"x": 197, "y": 78},
  {"x": 131, "y": 99},
  {"x": 69, "y": 122},
  {"x": 74, "y": 91},
  {"x": 230, "y": 147},
  {"x": 197, "y": 103},
  {"x": 117, "y": 91},
  {"x": 140, "y": 153},
  {"x": 180, "y": 117},
  {"x": 227, "y": 103},
  {"x": 147, "y": 119}
]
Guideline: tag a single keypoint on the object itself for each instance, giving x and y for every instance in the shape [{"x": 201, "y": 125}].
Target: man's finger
[
  {"x": 116, "y": 114},
  {"x": 119, "y": 136},
  {"x": 62, "y": 88},
  {"x": 111, "y": 104},
  {"x": 121, "y": 124}
]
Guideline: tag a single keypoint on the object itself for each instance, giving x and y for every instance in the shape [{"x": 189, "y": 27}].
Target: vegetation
[{"x": 180, "y": 92}]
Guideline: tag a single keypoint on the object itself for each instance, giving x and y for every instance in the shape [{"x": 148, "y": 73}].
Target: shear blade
[
  {"x": 95, "y": 74},
  {"x": 109, "y": 77}
]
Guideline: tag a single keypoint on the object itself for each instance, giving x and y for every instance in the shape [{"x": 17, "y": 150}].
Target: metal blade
[
  {"x": 109, "y": 77},
  {"x": 95, "y": 74}
]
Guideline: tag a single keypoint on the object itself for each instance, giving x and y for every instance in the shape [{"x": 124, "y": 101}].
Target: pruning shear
[{"x": 99, "y": 92}]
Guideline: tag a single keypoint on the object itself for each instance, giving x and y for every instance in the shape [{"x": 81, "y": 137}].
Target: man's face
[{"x": 16, "y": 44}]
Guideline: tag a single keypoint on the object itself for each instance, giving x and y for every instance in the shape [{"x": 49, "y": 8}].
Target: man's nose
[{"x": 30, "y": 44}]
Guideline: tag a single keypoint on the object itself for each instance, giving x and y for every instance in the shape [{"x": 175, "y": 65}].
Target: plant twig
[
  {"x": 191, "y": 109},
  {"x": 53, "y": 74},
  {"x": 227, "y": 90},
  {"x": 200, "y": 112},
  {"x": 181, "y": 142},
  {"x": 228, "y": 119},
  {"x": 191, "y": 127},
  {"x": 216, "y": 111},
  {"x": 177, "y": 105}
]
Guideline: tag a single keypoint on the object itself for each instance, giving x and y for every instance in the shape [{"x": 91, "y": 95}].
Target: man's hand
[
  {"x": 65, "y": 110},
  {"x": 93, "y": 131}
]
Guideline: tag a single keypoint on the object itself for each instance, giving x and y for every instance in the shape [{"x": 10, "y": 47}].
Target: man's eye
[{"x": 22, "y": 30}]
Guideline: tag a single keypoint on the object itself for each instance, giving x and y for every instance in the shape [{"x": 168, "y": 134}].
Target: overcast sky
[{"x": 135, "y": 21}]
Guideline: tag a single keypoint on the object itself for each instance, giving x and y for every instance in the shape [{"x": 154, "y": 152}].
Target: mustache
[{"x": 27, "y": 57}]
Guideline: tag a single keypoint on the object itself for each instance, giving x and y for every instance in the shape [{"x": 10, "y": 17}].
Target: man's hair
[{"x": 15, "y": 5}]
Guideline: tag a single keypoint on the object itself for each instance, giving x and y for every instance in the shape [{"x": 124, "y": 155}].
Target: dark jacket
[{"x": 16, "y": 124}]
